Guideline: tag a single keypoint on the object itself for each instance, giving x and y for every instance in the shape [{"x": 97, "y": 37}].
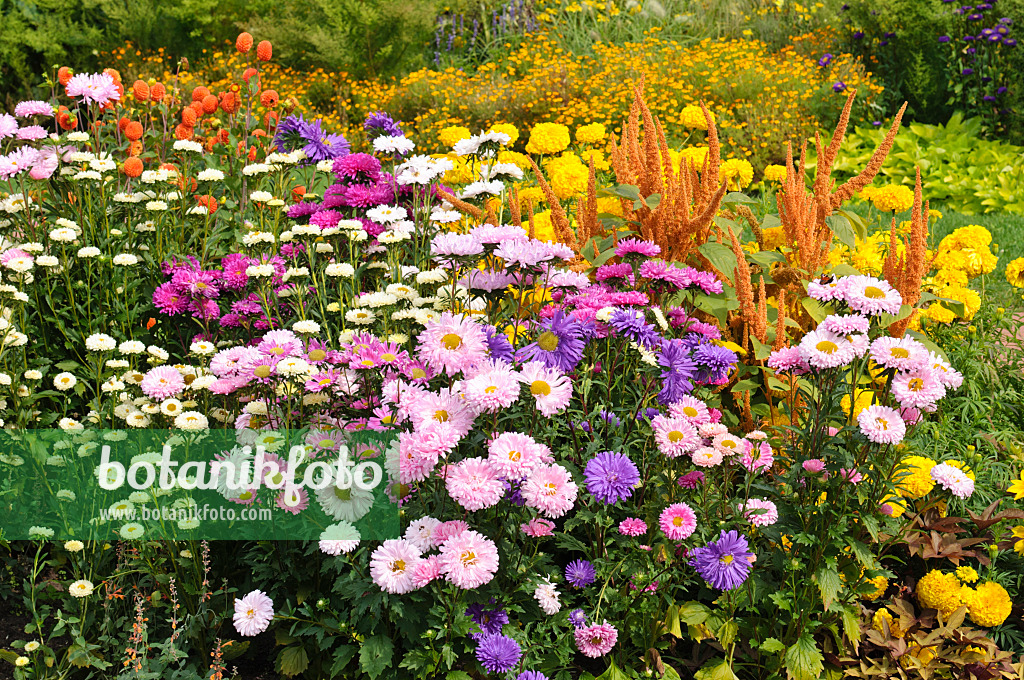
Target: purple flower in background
[
  {"x": 838, "y": 86},
  {"x": 611, "y": 476},
  {"x": 724, "y": 564},
  {"x": 967, "y": 71},
  {"x": 498, "y": 346},
  {"x": 498, "y": 653},
  {"x": 680, "y": 370},
  {"x": 691, "y": 480},
  {"x": 577, "y": 618},
  {"x": 289, "y": 132},
  {"x": 303, "y": 209},
  {"x": 876, "y": 123},
  {"x": 380, "y": 124},
  {"x": 944, "y": 38},
  {"x": 322, "y": 145},
  {"x": 580, "y": 573},
  {"x": 715, "y": 362},
  {"x": 489, "y": 620},
  {"x": 560, "y": 344},
  {"x": 531, "y": 675},
  {"x": 631, "y": 324},
  {"x": 1010, "y": 42},
  {"x": 825, "y": 60},
  {"x": 857, "y": 35}
]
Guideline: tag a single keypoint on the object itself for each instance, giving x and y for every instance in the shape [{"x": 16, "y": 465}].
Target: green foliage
[{"x": 959, "y": 169}]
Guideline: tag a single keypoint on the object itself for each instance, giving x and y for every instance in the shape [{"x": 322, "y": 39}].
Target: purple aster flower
[
  {"x": 825, "y": 60},
  {"x": 289, "y": 133},
  {"x": 321, "y": 145},
  {"x": 724, "y": 564},
  {"x": 857, "y": 35},
  {"x": 944, "y": 38},
  {"x": 706, "y": 281},
  {"x": 659, "y": 270},
  {"x": 632, "y": 246},
  {"x": 715, "y": 362},
  {"x": 489, "y": 620},
  {"x": 380, "y": 124},
  {"x": 498, "y": 653},
  {"x": 531, "y": 675},
  {"x": 358, "y": 167},
  {"x": 303, "y": 209},
  {"x": 169, "y": 300},
  {"x": 577, "y": 618},
  {"x": 680, "y": 370},
  {"x": 560, "y": 344},
  {"x": 610, "y": 477},
  {"x": 498, "y": 346},
  {"x": 632, "y": 325},
  {"x": 580, "y": 573},
  {"x": 325, "y": 218},
  {"x": 839, "y": 86},
  {"x": 196, "y": 282}
]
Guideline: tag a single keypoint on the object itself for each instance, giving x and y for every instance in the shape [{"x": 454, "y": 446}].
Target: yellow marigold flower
[
  {"x": 979, "y": 261},
  {"x": 509, "y": 129},
  {"x": 1015, "y": 273},
  {"x": 515, "y": 333},
  {"x": 1018, "y": 546},
  {"x": 692, "y": 116},
  {"x": 520, "y": 160},
  {"x": 773, "y": 237},
  {"x": 881, "y": 584},
  {"x": 916, "y": 480},
  {"x": 609, "y": 206},
  {"x": 988, "y": 605},
  {"x": 736, "y": 172},
  {"x": 695, "y": 156},
  {"x": 460, "y": 173},
  {"x": 530, "y": 194},
  {"x": 966, "y": 574},
  {"x": 937, "y": 590},
  {"x": 543, "y": 228},
  {"x": 1017, "y": 487},
  {"x": 548, "y": 138},
  {"x": 456, "y": 133},
  {"x": 968, "y": 296},
  {"x": 868, "y": 192},
  {"x": 894, "y": 197},
  {"x": 925, "y": 655},
  {"x": 590, "y": 134},
  {"x": 950, "y": 277},
  {"x": 894, "y": 506},
  {"x": 567, "y": 175},
  {"x": 862, "y": 402},
  {"x": 971, "y": 236},
  {"x": 934, "y": 214},
  {"x": 775, "y": 173},
  {"x": 882, "y": 618},
  {"x": 601, "y": 163}
]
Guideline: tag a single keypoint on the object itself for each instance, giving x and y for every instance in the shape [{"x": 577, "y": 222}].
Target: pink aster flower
[
  {"x": 31, "y": 133},
  {"x": 691, "y": 480},
  {"x": 944, "y": 373},
  {"x": 473, "y": 484},
  {"x": 678, "y": 521},
  {"x": 814, "y": 465},
  {"x": 674, "y": 436},
  {"x": 444, "y": 407},
  {"x": 294, "y": 502},
  {"x": 253, "y": 613},
  {"x": 903, "y": 354},
  {"x": 513, "y": 455},
  {"x": 846, "y": 325},
  {"x": 632, "y": 526},
  {"x": 421, "y": 533},
  {"x": 852, "y": 476},
  {"x": 419, "y": 452},
  {"x": 32, "y": 108},
  {"x": 494, "y": 388},
  {"x": 759, "y": 457},
  {"x": 691, "y": 409},
  {"x": 635, "y": 246},
  {"x": 920, "y": 389},
  {"x": 428, "y": 569},
  {"x": 882, "y": 425},
  {"x": 596, "y": 640},
  {"x": 8, "y": 125},
  {"x": 729, "y": 444},
  {"x": 453, "y": 343},
  {"x": 788, "y": 360},
  {"x": 469, "y": 560},
  {"x": 449, "y": 529},
  {"x": 760, "y": 519},
  {"x": 550, "y": 489},
  {"x": 538, "y": 527},
  {"x": 822, "y": 349},
  {"x": 96, "y": 88},
  {"x": 549, "y": 387},
  {"x": 868, "y": 295},
  {"x": 826, "y": 292},
  {"x": 706, "y": 456},
  {"x": 392, "y": 565},
  {"x": 162, "y": 382},
  {"x": 953, "y": 479}
]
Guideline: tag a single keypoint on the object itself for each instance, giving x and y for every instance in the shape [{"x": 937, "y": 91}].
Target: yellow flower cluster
[
  {"x": 988, "y": 605},
  {"x": 736, "y": 172},
  {"x": 548, "y": 138},
  {"x": 894, "y": 197},
  {"x": 1015, "y": 273},
  {"x": 775, "y": 173},
  {"x": 883, "y": 618},
  {"x": 453, "y": 134},
  {"x": 937, "y": 590},
  {"x": 594, "y": 133},
  {"x": 916, "y": 481},
  {"x": 966, "y": 574},
  {"x": 961, "y": 256},
  {"x": 567, "y": 174},
  {"x": 880, "y": 583},
  {"x": 692, "y": 116}
]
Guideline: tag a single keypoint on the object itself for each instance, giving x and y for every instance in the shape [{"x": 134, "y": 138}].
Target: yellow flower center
[
  {"x": 548, "y": 341},
  {"x": 441, "y": 416},
  {"x": 690, "y": 412},
  {"x": 916, "y": 384},
  {"x": 678, "y": 521},
  {"x": 882, "y": 423},
  {"x": 827, "y": 346},
  {"x": 674, "y": 436},
  {"x": 397, "y": 566},
  {"x": 418, "y": 373},
  {"x": 317, "y": 355},
  {"x": 540, "y": 388},
  {"x": 874, "y": 292},
  {"x": 899, "y": 353},
  {"x": 468, "y": 558},
  {"x": 367, "y": 362},
  {"x": 729, "y": 444},
  {"x": 451, "y": 341},
  {"x": 490, "y": 389},
  {"x": 514, "y": 455},
  {"x": 726, "y": 559},
  {"x": 277, "y": 350},
  {"x": 387, "y": 357},
  {"x": 262, "y": 372}
]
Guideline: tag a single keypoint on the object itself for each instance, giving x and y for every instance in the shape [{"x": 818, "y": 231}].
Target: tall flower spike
[
  {"x": 559, "y": 220},
  {"x": 905, "y": 273},
  {"x": 460, "y": 205},
  {"x": 780, "y": 322},
  {"x": 515, "y": 216}
]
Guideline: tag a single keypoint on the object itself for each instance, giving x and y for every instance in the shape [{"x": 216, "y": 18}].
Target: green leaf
[
  {"x": 843, "y": 230},
  {"x": 716, "y": 670},
  {"x": 738, "y": 197},
  {"x": 772, "y": 646},
  {"x": 563, "y": 540},
  {"x": 613, "y": 672},
  {"x": 817, "y": 310},
  {"x": 627, "y": 191},
  {"x": 672, "y": 622},
  {"x": 292, "y": 660},
  {"x": 829, "y": 584},
  {"x": 342, "y": 655},
  {"x": 844, "y": 269},
  {"x": 694, "y": 613},
  {"x": 746, "y": 385},
  {"x": 458, "y": 675},
  {"x": 804, "y": 660},
  {"x": 761, "y": 351},
  {"x": 765, "y": 258},
  {"x": 721, "y": 256},
  {"x": 770, "y": 220},
  {"x": 727, "y": 633},
  {"x": 927, "y": 342},
  {"x": 375, "y": 655},
  {"x": 234, "y": 650},
  {"x": 851, "y": 623}
]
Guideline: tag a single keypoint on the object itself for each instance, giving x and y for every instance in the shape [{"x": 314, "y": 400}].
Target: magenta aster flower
[
  {"x": 691, "y": 480},
  {"x": 253, "y": 613},
  {"x": 678, "y": 521},
  {"x": 632, "y": 246},
  {"x": 632, "y": 526},
  {"x": 162, "y": 382}
]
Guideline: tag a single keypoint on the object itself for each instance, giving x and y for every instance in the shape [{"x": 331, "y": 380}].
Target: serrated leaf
[
  {"x": 292, "y": 660},
  {"x": 672, "y": 626},
  {"x": 804, "y": 660},
  {"x": 851, "y": 624},
  {"x": 375, "y": 655},
  {"x": 342, "y": 655},
  {"x": 829, "y": 584},
  {"x": 720, "y": 256},
  {"x": 772, "y": 646},
  {"x": 458, "y": 675},
  {"x": 716, "y": 670}
]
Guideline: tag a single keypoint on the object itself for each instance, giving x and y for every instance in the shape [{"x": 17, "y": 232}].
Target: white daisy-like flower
[
  {"x": 349, "y": 504},
  {"x": 210, "y": 175},
  {"x": 63, "y": 235},
  {"x": 125, "y": 260},
  {"x": 188, "y": 145},
  {"x": 100, "y": 342},
  {"x": 132, "y": 530},
  {"x": 156, "y": 206},
  {"x": 341, "y": 269},
  {"x": 260, "y": 196},
  {"x": 88, "y": 251},
  {"x": 81, "y": 588},
  {"x": 191, "y": 420},
  {"x": 361, "y": 317},
  {"x": 307, "y": 326}
]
